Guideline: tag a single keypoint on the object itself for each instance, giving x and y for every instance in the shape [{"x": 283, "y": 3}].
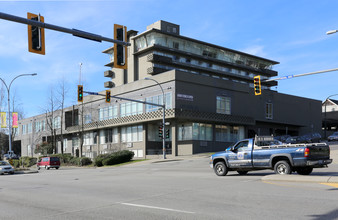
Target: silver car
[
  {"x": 5, "y": 167},
  {"x": 333, "y": 137}
]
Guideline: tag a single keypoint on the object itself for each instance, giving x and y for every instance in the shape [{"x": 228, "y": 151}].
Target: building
[
  {"x": 330, "y": 116},
  {"x": 208, "y": 93}
]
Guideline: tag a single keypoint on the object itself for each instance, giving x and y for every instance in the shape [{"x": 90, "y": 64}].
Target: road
[{"x": 185, "y": 189}]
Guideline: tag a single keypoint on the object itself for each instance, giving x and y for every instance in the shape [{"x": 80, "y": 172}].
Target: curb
[
  {"x": 26, "y": 172},
  {"x": 300, "y": 178}
]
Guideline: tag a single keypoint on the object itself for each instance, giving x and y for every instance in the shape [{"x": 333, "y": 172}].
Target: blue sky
[{"x": 292, "y": 32}]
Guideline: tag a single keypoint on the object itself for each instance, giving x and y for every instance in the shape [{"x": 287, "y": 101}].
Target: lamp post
[
  {"x": 331, "y": 32},
  {"x": 325, "y": 114},
  {"x": 163, "y": 120},
  {"x": 9, "y": 109}
]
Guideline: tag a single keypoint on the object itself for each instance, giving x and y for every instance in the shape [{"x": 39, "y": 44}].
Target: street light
[
  {"x": 163, "y": 120},
  {"x": 9, "y": 109},
  {"x": 331, "y": 32},
  {"x": 325, "y": 114}
]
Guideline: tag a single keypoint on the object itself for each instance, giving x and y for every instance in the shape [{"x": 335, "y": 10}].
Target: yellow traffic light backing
[
  {"x": 108, "y": 96},
  {"x": 36, "y": 35},
  {"x": 80, "y": 93},
  {"x": 257, "y": 85},
  {"x": 120, "y": 51}
]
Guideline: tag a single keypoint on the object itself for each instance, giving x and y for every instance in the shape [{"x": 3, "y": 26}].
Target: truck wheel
[
  {"x": 282, "y": 167},
  {"x": 242, "y": 172},
  {"x": 304, "y": 170},
  {"x": 220, "y": 169}
]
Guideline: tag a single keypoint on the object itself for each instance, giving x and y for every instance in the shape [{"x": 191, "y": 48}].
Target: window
[
  {"x": 108, "y": 136},
  {"x": 158, "y": 100},
  {"x": 75, "y": 142},
  {"x": 223, "y": 105},
  {"x": 195, "y": 131},
  {"x": 227, "y": 133},
  {"x": 132, "y": 133},
  {"x": 131, "y": 108},
  {"x": 57, "y": 122},
  {"x": 89, "y": 138},
  {"x": 29, "y": 128},
  {"x": 109, "y": 112},
  {"x": 175, "y": 45},
  {"x": 269, "y": 110},
  {"x": 65, "y": 145},
  {"x": 87, "y": 119}
]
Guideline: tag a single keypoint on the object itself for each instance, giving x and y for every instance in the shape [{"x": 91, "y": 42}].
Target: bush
[
  {"x": 28, "y": 161},
  {"x": 68, "y": 159},
  {"x": 114, "y": 158}
]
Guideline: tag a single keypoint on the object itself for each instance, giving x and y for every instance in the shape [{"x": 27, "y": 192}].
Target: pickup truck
[{"x": 263, "y": 153}]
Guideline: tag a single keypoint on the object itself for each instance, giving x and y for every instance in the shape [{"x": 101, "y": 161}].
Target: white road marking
[{"x": 155, "y": 207}]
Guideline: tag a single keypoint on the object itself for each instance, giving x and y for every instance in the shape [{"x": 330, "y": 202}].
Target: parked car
[
  {"x": 5, "y": 167},
  {"x": 48, "y": 162},
  {"x": 311, "y": 138},
  {"x": 333, "y": 137},
  {"x": 292, "y": 140}
]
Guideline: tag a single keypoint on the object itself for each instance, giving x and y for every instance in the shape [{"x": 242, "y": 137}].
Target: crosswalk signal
[
  {"x": 160, "y": 131},
  {"x": 80, "y": 93},
  {"x": 108, "y": 96},
  {"x": 257, "y": 85},
  {"x": 120, "y": 51},
  {"x": 36, "y": 35}
]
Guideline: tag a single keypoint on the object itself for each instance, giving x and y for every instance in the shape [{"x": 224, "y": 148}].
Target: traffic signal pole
[{"x": 74, "y": 32}]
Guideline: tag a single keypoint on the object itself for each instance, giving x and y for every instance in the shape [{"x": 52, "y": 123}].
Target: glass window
[
  {"x": 131, "y": 133},
  {"x": 223, "y": 105}
]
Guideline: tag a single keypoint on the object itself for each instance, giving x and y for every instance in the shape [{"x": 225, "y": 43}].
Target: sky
[{"x": 292, "y": 32}]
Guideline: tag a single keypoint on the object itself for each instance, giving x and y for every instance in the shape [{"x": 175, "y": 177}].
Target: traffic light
[
  {"x": 160, "y": 131},
  {"x": 108, "y": 96},
  {"x": 36, "y": 35},
  {"x": 80, "y": 93},
  {"x": 257, "y": 85},
  {"x": 120, "y": 51},
  {"x": 167, "y": 133}
]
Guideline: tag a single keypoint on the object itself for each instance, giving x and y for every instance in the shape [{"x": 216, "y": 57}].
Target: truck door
[{"x": 240, "y": 156}]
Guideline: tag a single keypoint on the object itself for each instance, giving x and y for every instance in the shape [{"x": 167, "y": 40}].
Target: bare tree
[
  {"x": 61, "y": 92},
  {"x": 50, "y": 118}
]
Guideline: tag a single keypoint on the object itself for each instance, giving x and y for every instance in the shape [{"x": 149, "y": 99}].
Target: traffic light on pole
[
  {"x": 167, "y": 133},
  {"x": 80, "y": 93},
  {"x": 160, "y": 131},
  {"x": 108, "y": 96},
  {"x": 120, "y": 51},
  {"x": 257, "y": 85},
  {"x": 36, "y": 35}
]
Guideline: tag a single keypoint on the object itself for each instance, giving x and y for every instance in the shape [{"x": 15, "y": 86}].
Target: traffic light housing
[
  {"x": 108, "y": 96},
  {"x": 167, "y": 133},
  {"x": 80, "y": 93},
  {"x": 120, "y": 51},
  {"x": 36, "y": 35},
  {"x": 257, "y": 85},
  {"x": 160, "y": 131}
]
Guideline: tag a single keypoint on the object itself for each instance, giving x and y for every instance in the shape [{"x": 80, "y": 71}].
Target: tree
[
  {"x": 44, "y": 148},
  {"x": 62, "y": 91}
]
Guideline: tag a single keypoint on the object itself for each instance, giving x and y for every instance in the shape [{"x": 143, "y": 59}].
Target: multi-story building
[{"x": 207, "y": 90}]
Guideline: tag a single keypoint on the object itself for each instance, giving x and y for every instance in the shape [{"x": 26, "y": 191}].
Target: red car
[{"x": 48, "y": 162}]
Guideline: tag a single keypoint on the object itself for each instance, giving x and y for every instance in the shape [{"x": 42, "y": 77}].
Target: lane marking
[
  {"x": 155, "y": 207},
  {"x": 331, "y": 184}
]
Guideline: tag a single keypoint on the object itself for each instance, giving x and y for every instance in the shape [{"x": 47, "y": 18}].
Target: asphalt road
[{"x": 185, "y": 189}]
